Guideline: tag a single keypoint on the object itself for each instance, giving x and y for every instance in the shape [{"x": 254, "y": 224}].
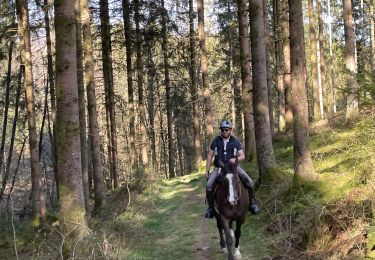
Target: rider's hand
[
  {"x": 207, "y": 175},
  {"x": 232, "y": 160}
]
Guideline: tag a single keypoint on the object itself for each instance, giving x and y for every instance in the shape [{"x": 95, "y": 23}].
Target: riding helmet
[{"x": 225, "y": 124}]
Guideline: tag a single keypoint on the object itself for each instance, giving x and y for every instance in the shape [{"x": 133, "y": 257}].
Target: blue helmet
[{"x": 225, "y": 124}]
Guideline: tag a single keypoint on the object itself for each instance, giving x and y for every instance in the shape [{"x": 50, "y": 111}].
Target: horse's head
[{"x": 229, "y": 170}]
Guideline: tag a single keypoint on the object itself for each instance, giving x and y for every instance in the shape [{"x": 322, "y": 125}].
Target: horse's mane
[{"x": 228, "y": 167}]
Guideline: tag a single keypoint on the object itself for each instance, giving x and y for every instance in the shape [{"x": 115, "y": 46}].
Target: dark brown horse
[{"x": 231, "y": 203}]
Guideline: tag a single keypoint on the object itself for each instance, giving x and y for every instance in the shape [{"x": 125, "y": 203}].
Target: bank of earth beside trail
[{"x": 332, "y": 218}]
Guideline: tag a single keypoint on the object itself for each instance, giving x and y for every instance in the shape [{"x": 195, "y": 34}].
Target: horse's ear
[{"x": 234, "y": 165}]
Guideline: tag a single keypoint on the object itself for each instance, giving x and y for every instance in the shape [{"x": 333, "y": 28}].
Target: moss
[
  {"x": 273, "y": 176},
  {"x": 35, "y": 221}
]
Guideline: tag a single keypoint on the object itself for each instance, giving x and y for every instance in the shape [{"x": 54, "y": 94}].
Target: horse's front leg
[
  {"x": 237, "y": 233},
  {"x": 220, "y": 228},
  {"x": 228, "y": 237}
]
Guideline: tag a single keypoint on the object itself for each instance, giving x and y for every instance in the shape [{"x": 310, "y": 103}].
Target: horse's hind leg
[
  {"x": 220, "y": 228},
  {"x": 237, "y": 233}
]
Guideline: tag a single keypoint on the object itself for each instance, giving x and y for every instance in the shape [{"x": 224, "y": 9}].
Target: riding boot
[
  {"x": 210, "y": 202},
  {"x": 253, "y": 208}
]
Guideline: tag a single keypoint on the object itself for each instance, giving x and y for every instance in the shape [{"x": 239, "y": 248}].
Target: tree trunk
[
  {"x": 372, "y": 42},
  {"x": 72, "y": 202},
  {"x": 314, "y": 61},
  {"x": 246, "y": 79},
  {"x": 151, "y": 72},
  {"x": 171, "y": 150},
  {"x": 99, "y": 187},
  {"x": 82, "y": 107},
  {"x": 12, "y": 137},
  {"x": 268, "y": 64},
  {"x": 16, "y": 170},
  {"x": 287, "y": 76},
  {"x": 351, "y": 82},
  {"x": 279, "y": 64},
  {"x": 303, "y": 167},
  {"x": 6, "y": 104},
  {"x": 372, "y": 36},
  {"x": 45, "y": 109},
  {"x": 194, "y": 90},
  {"x": 129, "y": 69},
  {"x": 38, "y": 207},
  {"x": 323, "y": 71},
  {"x": 51, "y": 82},
  {"x": 204, "y": 71},
  {"x": 263, "y": 136},
  {"x": 141, "y": 104},
  {"x": 108, "y": 83},
  {"x": 331, "y": 62}
]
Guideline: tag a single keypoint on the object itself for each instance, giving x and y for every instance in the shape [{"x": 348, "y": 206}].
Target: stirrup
[
  {"x": 209, "y": 213},
  {"x": 253, "y": 208}
]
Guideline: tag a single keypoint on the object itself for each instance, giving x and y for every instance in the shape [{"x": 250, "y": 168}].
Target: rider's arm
[
  {"x": 210, "y": 155},
  {"x": 241, "y": 155}
]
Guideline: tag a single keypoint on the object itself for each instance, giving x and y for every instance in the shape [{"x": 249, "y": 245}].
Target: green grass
[{"x": 331, "y": 218}]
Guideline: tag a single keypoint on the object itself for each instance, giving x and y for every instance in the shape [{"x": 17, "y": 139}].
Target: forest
[{"x": 108, "y": 110}]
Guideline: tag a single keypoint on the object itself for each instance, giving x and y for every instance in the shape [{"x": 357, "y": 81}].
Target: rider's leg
[
  {"x": 253, "y": 208},
  {"x": 209, "y": 193}
]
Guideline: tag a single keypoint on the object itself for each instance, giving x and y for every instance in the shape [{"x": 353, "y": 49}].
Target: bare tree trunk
[
  {"x": 13, "y": 135},
  {"x": 16, "y": 171},
  {"x": 331, "y": 62},
  {"x": 194, "y": 90},
  {"x": 171, "y": 150},
  {"x": 314, "y": 63},
  {"x": 323, "y": 71},
  {"x": 6, "y": 103},
  {"x": 279, "y": 64},
  {"x": 163, "y": 149},
  {"x": 351, "y": 82},
  {"x": 108, "y": 82},
  {"x": 51, "y": 82},
  {"x": 246, "y": 79},
  {"x": 141, "y": 104},
  {"x": 72, "y": 202},
  {"x": 99, "y": 187},
  {"x": 204, "y": 70},
  {"x": 263, "y": 136},
  {"x": 303, "y": 167},
  {"x": 268, "y": 64},
  {"x": 38, "y": 202},
  {"x": 287, "y": 73},
  {"x": 129, "y": 69},
  {"x": 151, "y": 101},
  {"x": 372, "y": 36},
  {"x": 82, "y": 107}
]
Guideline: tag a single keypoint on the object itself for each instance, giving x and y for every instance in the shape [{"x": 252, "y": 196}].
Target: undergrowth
[{"x": 331, "y": 218}]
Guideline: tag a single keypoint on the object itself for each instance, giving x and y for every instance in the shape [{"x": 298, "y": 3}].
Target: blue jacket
[{"x": 230, "y": 151}]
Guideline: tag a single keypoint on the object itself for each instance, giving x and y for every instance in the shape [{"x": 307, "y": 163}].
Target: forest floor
[
  {"x": 172, "y": 226},
  {"x": 332, "y": 218}
]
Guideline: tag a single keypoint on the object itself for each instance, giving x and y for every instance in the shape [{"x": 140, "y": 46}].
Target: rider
[{"x": 226, "y": 147}]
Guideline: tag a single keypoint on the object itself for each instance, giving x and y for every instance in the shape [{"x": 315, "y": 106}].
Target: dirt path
[
  {"x": 207, "y": 239},
  {"x": 207, "y": 236}
]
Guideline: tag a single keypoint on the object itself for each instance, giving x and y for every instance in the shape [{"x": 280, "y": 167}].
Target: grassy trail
[
  {"x": 176, "y": 227},
  {"x": 332, "y": 218}
]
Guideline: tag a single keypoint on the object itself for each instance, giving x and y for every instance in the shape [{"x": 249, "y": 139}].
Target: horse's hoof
[
  {"x": 224, "y": 250},
  {"x": 237, "y": 253}
]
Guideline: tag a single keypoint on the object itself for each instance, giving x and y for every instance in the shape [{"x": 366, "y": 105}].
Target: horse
[{"x": 231, "y": 205}]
